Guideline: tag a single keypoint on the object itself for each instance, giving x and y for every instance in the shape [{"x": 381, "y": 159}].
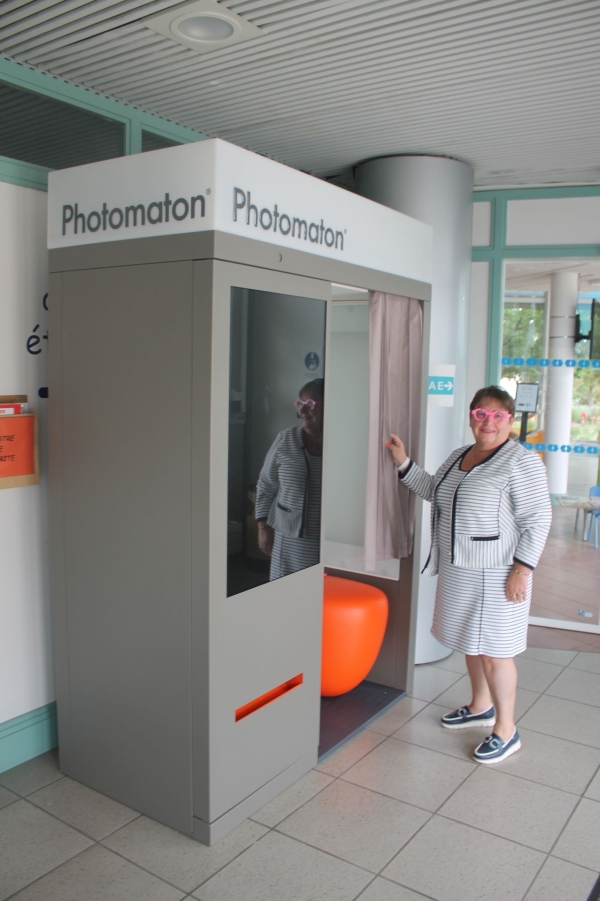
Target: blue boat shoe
[
  {"x": 464, "y": 719},
  {"x": 493, "y": 749}
]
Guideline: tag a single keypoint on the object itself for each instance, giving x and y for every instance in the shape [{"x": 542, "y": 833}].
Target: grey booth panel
[
  {"x": 125, "y": 404},
  {"x": 262, "y": 637},
  {"x": 221, "y": 246}
]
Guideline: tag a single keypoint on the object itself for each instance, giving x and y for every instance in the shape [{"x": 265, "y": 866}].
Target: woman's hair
[
  {"x": 499, "y": 394},
  {"x": 315, "y": 389}
]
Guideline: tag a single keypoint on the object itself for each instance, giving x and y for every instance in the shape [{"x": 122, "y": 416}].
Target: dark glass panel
[
  {"x": 275, "y": 445},
  {"x": 40, "y": 130}
]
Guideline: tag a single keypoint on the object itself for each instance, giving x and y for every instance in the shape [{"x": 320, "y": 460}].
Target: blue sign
[
  {"x": 565, "y": 448},
  {"x": 544, "y": 361},
  {"x": 531, "y": 361},
  {"x": 557, "y": 362},
  {"x": 584, "y": 364},
  {"x": 441, "y": 384}
]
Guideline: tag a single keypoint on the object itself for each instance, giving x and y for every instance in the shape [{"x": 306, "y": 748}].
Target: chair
[
  {"x": 594, "y": 516},
  {"x": 354, "y": 620}
]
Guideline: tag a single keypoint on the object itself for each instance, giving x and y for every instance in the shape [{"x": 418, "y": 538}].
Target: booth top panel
[{"x": 216, "y": 186}]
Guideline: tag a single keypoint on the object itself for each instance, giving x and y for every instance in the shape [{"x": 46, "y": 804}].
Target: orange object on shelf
[
  {"x": 19, "y": 462},
  {"x": 354, "y": 620}
]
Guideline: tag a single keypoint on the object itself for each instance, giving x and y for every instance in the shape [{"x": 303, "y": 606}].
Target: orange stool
[{"x": 354, "y": 620}]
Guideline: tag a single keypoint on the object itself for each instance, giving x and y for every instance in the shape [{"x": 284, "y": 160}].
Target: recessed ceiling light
[
  {"x": 203, "y": 25},
  {"x": 203, "y": 28}
]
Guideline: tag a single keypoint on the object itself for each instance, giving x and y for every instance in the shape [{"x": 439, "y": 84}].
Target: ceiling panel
[{"x": 510, "y": 87}]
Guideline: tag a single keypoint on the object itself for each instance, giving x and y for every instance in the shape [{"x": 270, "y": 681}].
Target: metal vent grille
[
  {"x": 151, "y": 141},
  {"x": 510, "y": 86},
  {"x": 52, "y": 134}
]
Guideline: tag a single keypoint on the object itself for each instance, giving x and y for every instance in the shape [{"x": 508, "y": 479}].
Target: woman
[
  {"x": 490, "y": 517},
  {"x": 288, "y": 492}
]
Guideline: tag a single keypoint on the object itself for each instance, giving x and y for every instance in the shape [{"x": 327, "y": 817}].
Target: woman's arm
[
  {"x": 532, "y": 510},
  {"x": 411, "y": 475},
  {"x": 267, "y": 486}
]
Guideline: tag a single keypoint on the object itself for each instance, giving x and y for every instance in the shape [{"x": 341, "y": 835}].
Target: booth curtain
[{"x": 396, "y": 344}]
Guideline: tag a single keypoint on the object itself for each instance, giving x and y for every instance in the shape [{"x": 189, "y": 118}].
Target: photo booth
[{"x": 191, "y": 291}]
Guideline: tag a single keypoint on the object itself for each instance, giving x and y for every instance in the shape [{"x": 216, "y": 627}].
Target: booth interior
[{"x": 211, "y": 430}]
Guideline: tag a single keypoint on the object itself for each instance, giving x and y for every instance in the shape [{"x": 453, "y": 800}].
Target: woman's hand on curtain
[{"x": 396, "y": 447}]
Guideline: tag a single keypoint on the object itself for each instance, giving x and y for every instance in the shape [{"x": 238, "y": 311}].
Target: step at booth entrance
[{"x": 199, "y": 450}]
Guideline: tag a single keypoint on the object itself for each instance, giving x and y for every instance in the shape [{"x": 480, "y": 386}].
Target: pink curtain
[{"x": 396, "y": 338}]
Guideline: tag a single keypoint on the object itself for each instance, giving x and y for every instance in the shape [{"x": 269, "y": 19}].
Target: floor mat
[{"x": 344, "y": 715}]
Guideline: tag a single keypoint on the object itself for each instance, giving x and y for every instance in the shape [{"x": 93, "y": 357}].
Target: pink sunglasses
[
  {"x": 481, "y": 414},
  {"x": 310, "y": 403}
]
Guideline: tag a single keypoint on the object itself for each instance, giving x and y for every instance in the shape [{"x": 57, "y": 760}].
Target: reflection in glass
[{"x": 276, "y": 409}]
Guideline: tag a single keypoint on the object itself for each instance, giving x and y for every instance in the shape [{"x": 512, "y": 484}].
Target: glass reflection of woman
[{"x": 288, "y": 492}]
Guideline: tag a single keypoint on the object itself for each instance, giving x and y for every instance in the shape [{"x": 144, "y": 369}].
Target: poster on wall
[
  {"x": 19, "y": 461},
  {"x": 26, "y": 659}
]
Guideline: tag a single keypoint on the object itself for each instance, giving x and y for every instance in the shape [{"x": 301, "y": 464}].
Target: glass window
[
  {"x": 46, "y": 132},
  {"x": 540, "y": 346},
  {"x": 276, "y": 412}
]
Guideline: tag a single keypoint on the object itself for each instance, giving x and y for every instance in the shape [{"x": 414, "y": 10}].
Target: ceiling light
[
  {"x": 203, "y": 28},
  {"x": 203, "y": 25}
]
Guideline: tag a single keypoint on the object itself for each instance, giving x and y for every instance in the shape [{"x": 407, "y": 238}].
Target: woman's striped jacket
[{"x": 501, "y": 510}]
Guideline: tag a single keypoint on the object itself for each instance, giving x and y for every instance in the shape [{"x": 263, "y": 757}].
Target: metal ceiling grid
[{"x": 510, "y": 86}]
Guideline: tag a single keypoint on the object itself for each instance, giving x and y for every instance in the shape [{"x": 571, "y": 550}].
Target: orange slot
[{"x": 269, "y": 696}]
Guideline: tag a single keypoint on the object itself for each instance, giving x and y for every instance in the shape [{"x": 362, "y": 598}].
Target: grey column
[{"x": 439, "y": 191}]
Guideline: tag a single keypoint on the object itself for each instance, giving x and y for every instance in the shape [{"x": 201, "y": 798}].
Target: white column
[
  {"x": 439, "y": 191},
  {"x": 559, "y": 390}
]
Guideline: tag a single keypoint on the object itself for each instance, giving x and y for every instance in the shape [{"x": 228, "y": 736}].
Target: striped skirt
[{"x": 473, "y": 616}]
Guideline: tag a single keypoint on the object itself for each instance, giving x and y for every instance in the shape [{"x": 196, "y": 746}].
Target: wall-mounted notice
[
  {"x": 440, "y": 385},
  {"x": 19, "y": 464},
  {"x": 312, "y": 362}
]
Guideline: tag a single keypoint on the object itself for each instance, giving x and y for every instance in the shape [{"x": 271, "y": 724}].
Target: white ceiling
[
  {"x": 510, "y": 86},
  {"x": 535, "y": 275}
]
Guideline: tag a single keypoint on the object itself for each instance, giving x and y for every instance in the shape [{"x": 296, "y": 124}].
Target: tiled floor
[{"x": 399, "y": 813}]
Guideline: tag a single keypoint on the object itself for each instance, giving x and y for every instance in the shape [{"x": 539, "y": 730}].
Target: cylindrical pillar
[
  {"x": 439, "y": 191},
  {"x": 559, "y": 387}
]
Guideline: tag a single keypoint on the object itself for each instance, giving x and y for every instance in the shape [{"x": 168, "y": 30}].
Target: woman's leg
[
  {"x": 501, "y": 677},
  {"x": 482, "y": 698}
]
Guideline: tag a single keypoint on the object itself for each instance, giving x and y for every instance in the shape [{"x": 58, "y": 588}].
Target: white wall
[
  {"x": 554, "y": 220},
  {"x": 25, "y": 653},
  {"x": 348, "y": 424},
  {"x": 482, "y": 223},
  {"x": 478, "y": 326}
]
